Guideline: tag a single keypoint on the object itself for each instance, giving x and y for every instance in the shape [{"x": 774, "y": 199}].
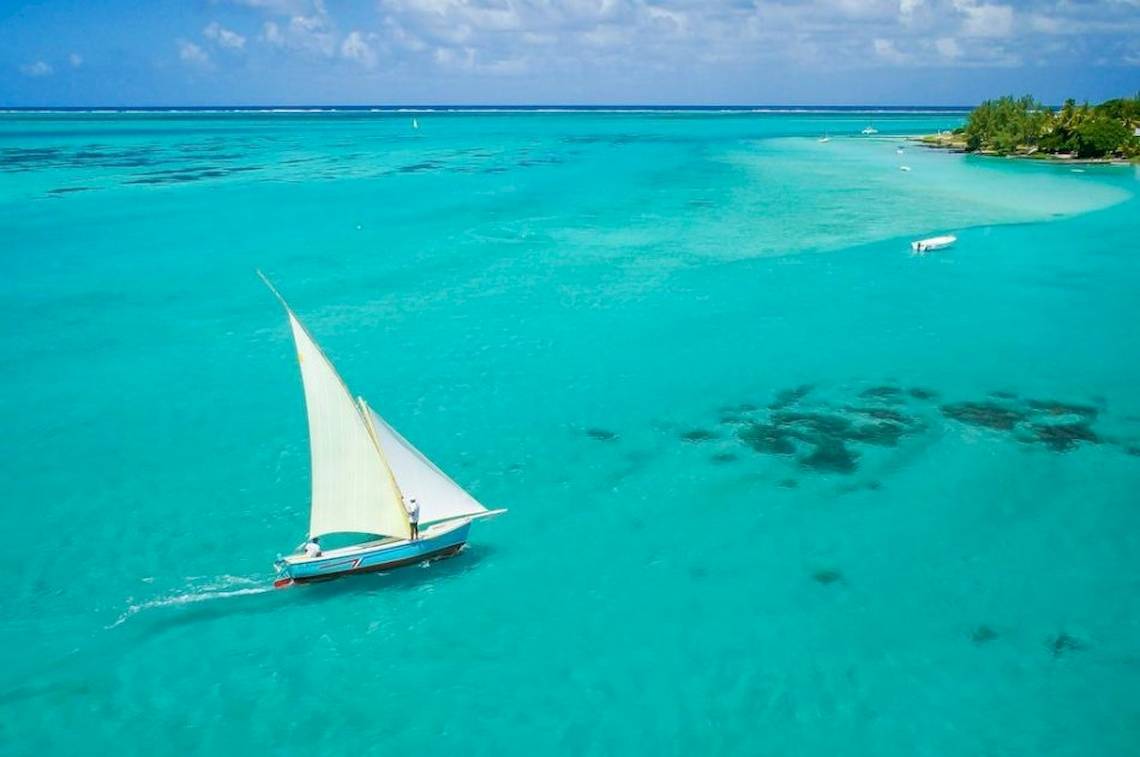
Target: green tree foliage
[
  {"x": 1023, "y": 125},
  {"x": 1126, "y": 110},
  {"x": 1100, "y": 135}
]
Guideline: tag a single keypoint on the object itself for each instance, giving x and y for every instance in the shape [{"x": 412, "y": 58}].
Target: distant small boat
[
  {"x": 824, "y": 139},
  {"x": 1077, "y": 170},
  {"x": 870, "y": 129},
  {"x": 934, "y": 243},
  {"x": 904, "y": 168},
  {"x": 898, "y": 151},
  {"x": 415, "y": 124}
]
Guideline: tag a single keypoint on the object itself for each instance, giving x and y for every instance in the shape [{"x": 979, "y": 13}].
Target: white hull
[{"x": 934, "y": 243}]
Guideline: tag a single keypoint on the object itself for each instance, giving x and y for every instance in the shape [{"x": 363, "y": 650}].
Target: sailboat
[
  {"x": 415, "y": 124},
  {"x": 362, "y": 472},
  {"x": 870, "y": 129}
]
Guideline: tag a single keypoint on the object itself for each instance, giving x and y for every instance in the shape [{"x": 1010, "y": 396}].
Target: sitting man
[{"x": 313, "y": 547}]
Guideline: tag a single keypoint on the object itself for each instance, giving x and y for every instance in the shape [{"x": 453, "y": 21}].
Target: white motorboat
[{"x": 933, "y": 243}]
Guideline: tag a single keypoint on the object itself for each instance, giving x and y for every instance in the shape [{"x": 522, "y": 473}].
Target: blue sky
[{"x": 207, "y": 52}]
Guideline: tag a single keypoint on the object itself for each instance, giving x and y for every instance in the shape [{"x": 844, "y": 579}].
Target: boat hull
[
  {"x": 367, "y": 558},
  {"x": 934, "y": 243}
]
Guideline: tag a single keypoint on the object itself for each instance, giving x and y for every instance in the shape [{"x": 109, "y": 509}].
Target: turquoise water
[{"x": 776, "y": 486}]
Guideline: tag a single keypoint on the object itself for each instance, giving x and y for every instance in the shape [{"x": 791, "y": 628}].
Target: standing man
[{"x": 413, "y": 509}]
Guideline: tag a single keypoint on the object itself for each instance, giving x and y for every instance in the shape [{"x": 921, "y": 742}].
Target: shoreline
[{"x": 955, "y": 143}]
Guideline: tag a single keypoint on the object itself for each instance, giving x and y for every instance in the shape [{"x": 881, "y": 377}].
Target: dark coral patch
[
  {"x": 883, "y": 392},
  {"x": 767, "y": 439},
  {"x": 790, "y": 396},
  {"x": 721, "y": 458},
  {"x": 601, "y": 434},
  {"x": 880, "y": 413},
  {"x": 831, "y": 456},
  {"x": 804, "y": 425},
  {"x": 921, "y": 393},
  {"x": 788, "y": 483},
  {"x": 1134, "y": 451},
  {"x": 1003, "y": 395},
  {"x": 882, "y": 434},
  {"x": 1052, "y": 407},
  {"x": 1062, "y": 437},
  {"x": 427, "y": 165},
  {"x": 983, "y": 634},
  {"x": 697, "y": 435},
  {"x": 1063, "y": 643},
  {"x": 826, "y": 576},
  {"x": 986, "y": 414}
]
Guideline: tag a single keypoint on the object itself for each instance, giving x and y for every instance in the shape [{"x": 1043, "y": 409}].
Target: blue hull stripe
[{"x": 381, "y": 557}]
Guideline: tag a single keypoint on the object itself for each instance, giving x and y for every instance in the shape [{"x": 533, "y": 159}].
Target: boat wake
[{"x": 225, "y": 587}]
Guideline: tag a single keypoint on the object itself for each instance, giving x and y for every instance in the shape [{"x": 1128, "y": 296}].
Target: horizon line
[{"x": 495, "y": 106}]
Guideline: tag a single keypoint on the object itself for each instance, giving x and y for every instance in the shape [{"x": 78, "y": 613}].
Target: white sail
[
  {"x": 353, "y": 488},
  {"x": 439, "y": 497}
]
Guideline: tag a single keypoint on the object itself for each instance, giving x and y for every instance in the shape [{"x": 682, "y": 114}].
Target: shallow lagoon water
[{"x": 551, "y": 305}]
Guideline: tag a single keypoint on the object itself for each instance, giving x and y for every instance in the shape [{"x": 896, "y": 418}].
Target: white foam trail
[{"x": 215, "y": 591}]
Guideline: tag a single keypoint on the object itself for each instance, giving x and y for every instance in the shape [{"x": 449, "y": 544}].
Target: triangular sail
[
  {"x": 439, "y": 497},
  {"x": 353, "y": 488}
]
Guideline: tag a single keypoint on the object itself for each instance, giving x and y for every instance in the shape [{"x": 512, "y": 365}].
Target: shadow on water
[
  {"x": 79, "y": 674},
  {"x": 55, "y": 691}
]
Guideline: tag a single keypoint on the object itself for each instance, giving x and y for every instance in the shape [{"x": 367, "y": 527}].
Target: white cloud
[
  {"x": 403, "y": 38},
  {"x": 1046, "y": 24},
  {"x": 280, "y": 7},
  {"x": 75, "y": 59},
  {"x": 313, "y": 34},
  {"x": 572, "y": 40},
  {"x": 356, "y": 48},
  {"x": 948, "y": 47},
  {"x": 37, "y": 69},
  {"x": 224, "y": 37},
  {"x": 985, "y": 20},
  {"x": 1073, "y": 23},
  {"x": 192, "y": 55},
  {"x": 885, "y": 49},
  {"x": 446, "y": 56},
  {"x": 907, "y": 11},
  {"x": 605, "y": 35},
  {"x": 271, "y": 33},
  {"x": 539, "y": 38}
]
